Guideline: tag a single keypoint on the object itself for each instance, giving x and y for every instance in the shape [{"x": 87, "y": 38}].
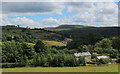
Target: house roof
[
  {"x": 82, "y": 54},
  {"x": 102, "y": 57}
]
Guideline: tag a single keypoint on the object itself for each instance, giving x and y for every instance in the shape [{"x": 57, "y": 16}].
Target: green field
[
  {"x": 105, "y": 68},
  {"x": 50, "y": 43},
  {"x": 53, "y": 43},
  {"x": 57, "y": 29}
]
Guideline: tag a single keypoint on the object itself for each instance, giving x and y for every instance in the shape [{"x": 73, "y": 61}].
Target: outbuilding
[
  {"x": 87, "y": 55},
  {"x": 103, "y": 57}
]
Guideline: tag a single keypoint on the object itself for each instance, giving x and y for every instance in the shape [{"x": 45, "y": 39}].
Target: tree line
[{"x": 27, "y": 55}]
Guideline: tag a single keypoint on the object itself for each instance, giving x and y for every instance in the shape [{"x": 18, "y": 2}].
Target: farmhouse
[
  {"x": 103, "y": 57},
  {"x": 87, "y": 55}
]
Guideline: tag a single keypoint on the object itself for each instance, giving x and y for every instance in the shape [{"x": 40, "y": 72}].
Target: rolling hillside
[
  {"x": 79, "y": 30},
  {"x": 65, "y": 27},
  {"x": 29, "y": 35},
  {"x": 55, "y": 33}
]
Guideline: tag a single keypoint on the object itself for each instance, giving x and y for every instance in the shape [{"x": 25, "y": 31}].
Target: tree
[
  {"x": 118, "y": 58},
  {"x": 116, "y": 43},
  {"x": 26, "y": 60},
  {"x": 72, "y": 51},
  {"x": 38, "y": 61},
  {"x": 27, "y": 50},
  {"x": 44, "y": 61},
  {"x": 102, "y": 61},
  {"x": 70, "y": 60},
  {"x": 55, "y": 60},
  {"x": 10, "y": 51},
  {"x": 99, "y": 50},
  {"x": 82, "y": 61},
  {"x": 93, "y": 38},
  {"x": 89, "y": 39},
  {"x": 40, "y": 47},
  {"x": 73, "y": 61},
  {"x": 9, "y": 38},
  {"x": 60, "y": 60},
  {"x": 49, "y": 59},
  {"x": 72, "y": 45},
  {"x": 113, "y": 53},
  {"x": 83, "y": 48},
  {"x": 93, "y": 56},
  {"x": 53, "y": 50},
  {"x": 104, "y": 44}
]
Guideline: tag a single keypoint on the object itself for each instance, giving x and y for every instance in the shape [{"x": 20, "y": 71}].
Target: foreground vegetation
[{"x": 104, "y": 68}]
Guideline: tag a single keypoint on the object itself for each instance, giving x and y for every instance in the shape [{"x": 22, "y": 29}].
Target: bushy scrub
[
  {"x": 93, "y": 56},
  {"x": 102, "y": 61},
  {"x": 82, "y": 61}
]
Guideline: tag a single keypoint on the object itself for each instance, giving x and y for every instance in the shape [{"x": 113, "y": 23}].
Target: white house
[
  {"x": 87, "y": 55},
  {"x": 103, "y": 57}
]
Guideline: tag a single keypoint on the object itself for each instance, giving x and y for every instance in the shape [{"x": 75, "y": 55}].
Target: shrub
[
  {"x": 82, "y": 61},
  {"x": 11, "y": 65},
  {"x": 93, "y": 56},
  {"x": 53, "y": 50},
  {"x": 91, "y": 62},
  {"x": 102, "y": 61}
]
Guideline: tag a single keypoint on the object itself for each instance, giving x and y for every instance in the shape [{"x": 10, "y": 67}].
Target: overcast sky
[{"x": 52, "y": 14}]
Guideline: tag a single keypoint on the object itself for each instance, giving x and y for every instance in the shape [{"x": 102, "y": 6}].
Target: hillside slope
[
  {"x": 65, "y": 27},
  {"x": 79, "y": 30},
  {"x": 29, "y": 35}
]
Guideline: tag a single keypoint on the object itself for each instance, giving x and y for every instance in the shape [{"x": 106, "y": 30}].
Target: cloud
[
  {"x": 31, "y": 8},
  {"x": 0, "y": 12},
  {"x": 22, "y": 22},
  {"x": 86, "y": 13},
  {"x": 80, "y": 7},
  {"x": 101, "y": 14},
  {"x": 60, "y": 0},
  {"x": 50, "y": 22},
  {"x": 107, "y": 8}
]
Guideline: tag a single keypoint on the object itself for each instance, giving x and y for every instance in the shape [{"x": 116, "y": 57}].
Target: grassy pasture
[
  {"x": 57, "y": 29},
  {"x": 53, "y": 43},
  {"x": 50, "y": 43},
  {"x": 104, "y": 68}
]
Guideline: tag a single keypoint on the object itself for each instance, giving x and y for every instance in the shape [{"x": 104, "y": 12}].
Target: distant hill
[
  {"x": 65, "y": 27},
  {"x": 80, "y": 30},
  {"x": 54, "y": 33},
  {"x": 71, "y": 26}
]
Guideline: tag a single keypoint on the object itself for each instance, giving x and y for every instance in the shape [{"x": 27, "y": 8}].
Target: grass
[
  {"x": 32, "y": 44},
  {"x": 57, "y": 29},
  {"x": 53, "y": 43},
  {"x": 104, "y": 68},
  {"x": 50, "y": 43}
]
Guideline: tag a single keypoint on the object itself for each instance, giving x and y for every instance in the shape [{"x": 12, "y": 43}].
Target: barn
[
  {"x": 87, "y": 55},
  {"x": 103, "y": 57}
]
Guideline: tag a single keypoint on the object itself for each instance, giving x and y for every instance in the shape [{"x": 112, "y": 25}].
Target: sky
[{"x": 52, "y": 14}]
